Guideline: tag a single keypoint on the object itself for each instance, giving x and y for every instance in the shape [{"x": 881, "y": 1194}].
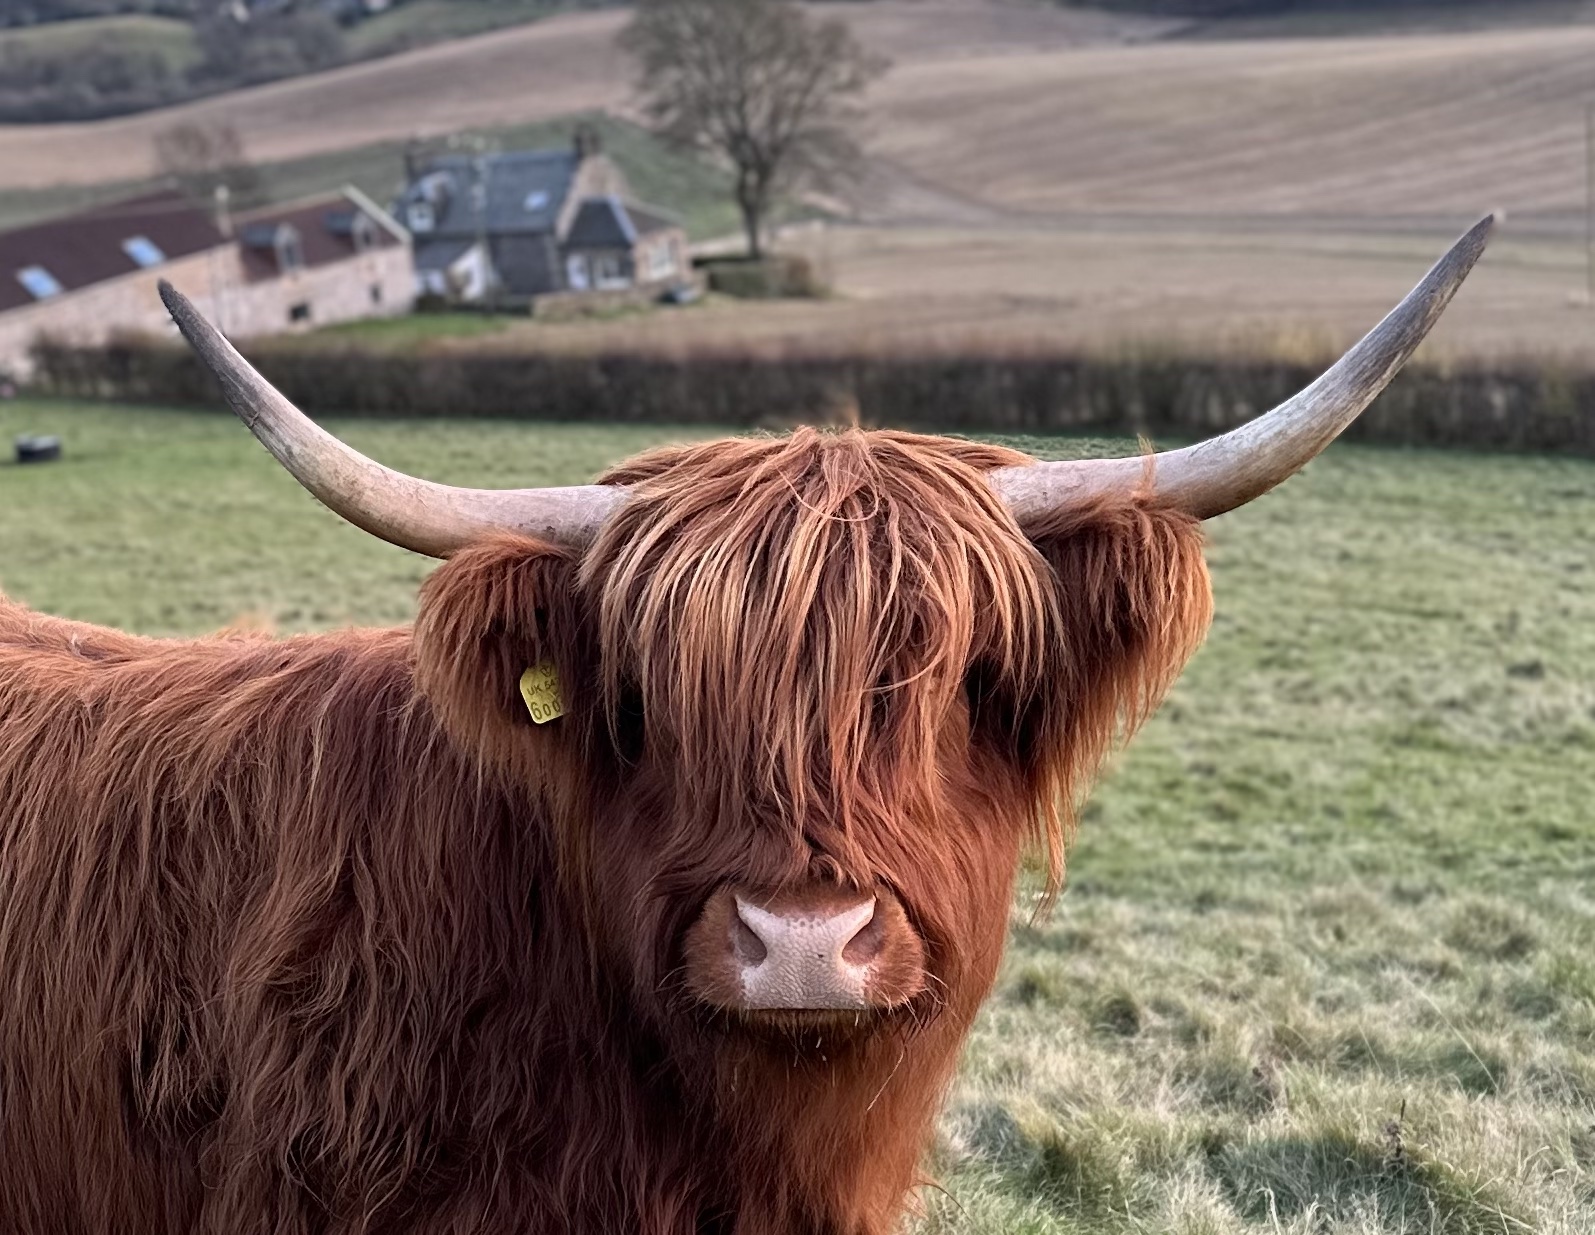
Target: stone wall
[{"x": 378, "y": 283}]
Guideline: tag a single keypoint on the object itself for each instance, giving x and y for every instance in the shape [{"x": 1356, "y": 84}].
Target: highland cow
[{"x": 650, "y": 883}]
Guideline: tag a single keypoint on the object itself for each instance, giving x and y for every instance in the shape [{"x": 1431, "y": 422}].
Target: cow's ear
[
  {"x": 489, "y": 614},
  {"x": 1135, "y": 602}
]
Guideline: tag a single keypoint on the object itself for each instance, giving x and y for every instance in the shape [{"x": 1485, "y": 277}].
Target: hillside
[
  {"x": 678, "y": 181},
  {"x": 998, "y": 109},
  {"x": 562, "y": 66},
  {"x": 1447, "y": 124},
  {"x": 552, "y": 68},
  {"x": 1036, "y": 172},
  {"x": 74, "y": 60}
]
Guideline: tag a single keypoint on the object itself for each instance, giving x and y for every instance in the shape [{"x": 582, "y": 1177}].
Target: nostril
[
  {"x": 745, "y": 942},
  {"x": 866, "y": 945}
]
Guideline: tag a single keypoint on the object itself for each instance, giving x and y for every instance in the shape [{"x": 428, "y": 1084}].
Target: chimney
[
  {"x": 224, "y": 216},
  {"x": 586, "y": 142},
  {"x": 413, "y": 150}
]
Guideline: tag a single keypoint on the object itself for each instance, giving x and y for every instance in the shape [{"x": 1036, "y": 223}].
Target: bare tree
[
  {"x": 201, "y": 157},
  {"x": 759, "y": 83}
]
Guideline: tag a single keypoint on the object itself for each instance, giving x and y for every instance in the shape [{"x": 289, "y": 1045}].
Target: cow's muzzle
[{"x": 811, "y": 949}]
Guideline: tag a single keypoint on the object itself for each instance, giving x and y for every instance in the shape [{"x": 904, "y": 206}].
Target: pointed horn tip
[
  {"x": 1431, "y": 297},
  {"x": 1378, "y": 356},
  {"x": 181, "y": 308},
  {"x": 1478, "y": 236}
]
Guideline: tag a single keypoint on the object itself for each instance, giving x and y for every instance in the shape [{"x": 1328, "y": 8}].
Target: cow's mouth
[
  {"x": 804, "y": 1020},
  {"x": 817, "y": 1034}
]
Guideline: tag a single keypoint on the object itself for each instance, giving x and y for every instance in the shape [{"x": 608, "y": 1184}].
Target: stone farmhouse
[
  {"x": 88, "y": 277},
  {"x": 513, "y": 228}
]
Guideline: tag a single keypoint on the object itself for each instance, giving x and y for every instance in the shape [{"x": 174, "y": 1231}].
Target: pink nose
[
  {"x": 812, "y": 948},
  {"x": 817, "y": 958}
]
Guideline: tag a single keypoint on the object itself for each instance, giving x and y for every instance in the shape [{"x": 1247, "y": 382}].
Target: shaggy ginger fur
[{"x": 322, "y": 935}]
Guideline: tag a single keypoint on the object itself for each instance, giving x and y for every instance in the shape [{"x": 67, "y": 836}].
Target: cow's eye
[
  {"x": 880, "y": 704},
  {"x": 630, "y": 731},
  {"x": 978, "y": 690}
]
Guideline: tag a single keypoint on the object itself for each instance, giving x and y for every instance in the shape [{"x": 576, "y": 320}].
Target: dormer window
[
  {"x": 364, "y": 233},
  {"x": 421, "y": 217},
  {"x": 290, "y": 255},
  {"x": 41, "y": 284},
  {"x": 536, "y": 200},
  {"x": 143, "y": 251}
]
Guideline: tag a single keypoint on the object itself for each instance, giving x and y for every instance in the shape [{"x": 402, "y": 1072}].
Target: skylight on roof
[
  {"x": 41, "y": 284},
  {"x": 537, "y": 200},
  {"x": 143, "y": 250}
]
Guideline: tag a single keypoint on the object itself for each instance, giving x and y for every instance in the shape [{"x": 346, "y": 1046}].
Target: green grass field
[
  {"x": 1326, "y": 962},
  {"x": 166, "y": 37},
  {"x": 412, "y": 330},
  {"x": 421, "y": 22},
  {"x": 683, "y": 184}
]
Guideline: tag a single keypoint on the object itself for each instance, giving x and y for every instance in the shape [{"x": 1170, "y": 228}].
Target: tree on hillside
[
  {"x": 205, "y": 157},
  {"x": 758, "y": 83}
]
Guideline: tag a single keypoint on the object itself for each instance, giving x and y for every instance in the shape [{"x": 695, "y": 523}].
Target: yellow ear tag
[{"x": 540, "y": 689}]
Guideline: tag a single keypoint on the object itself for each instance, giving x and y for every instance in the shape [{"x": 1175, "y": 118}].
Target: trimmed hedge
[
  {"x": 1525, "y": 407},
  {"x": 778, "y": 276}
]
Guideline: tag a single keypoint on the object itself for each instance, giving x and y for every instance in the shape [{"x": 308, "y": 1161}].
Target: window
[
  {"x": 364, "y": 233},
  {"x": 576, "y": 272},
  {"x": 144, "y": 251},
  {"x": 536, "y": 200},
  {"x": 609, "y": 271},
  {"x": 290, "y": 256},
  {"x": 299, "y": 312},
  {"x": 41, "y": 284},
  {"x": 661, "y": 260},
  {"x": 376, "y": 293},
  {"x": 422, "y": 219}
]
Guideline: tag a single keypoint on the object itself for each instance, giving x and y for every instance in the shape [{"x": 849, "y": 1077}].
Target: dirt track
[
  {"x": 995, "y": 108},
  {"x": 550, "y": 68}
]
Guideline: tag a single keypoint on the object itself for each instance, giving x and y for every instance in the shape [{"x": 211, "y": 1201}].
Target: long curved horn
[
  {"x": 1228, "y": 471},
  {"x": 414, "y": 514}
]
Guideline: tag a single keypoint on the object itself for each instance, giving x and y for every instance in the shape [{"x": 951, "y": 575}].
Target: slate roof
[
  {"x": 440, "y": 254},
  {"x": 609, "y": 223},
  {"x": 601, "y": 223},
  {"x": 326, "y": 234},
  {"x": 525, "y": 191},
  {"x": 80, "y": 250}
]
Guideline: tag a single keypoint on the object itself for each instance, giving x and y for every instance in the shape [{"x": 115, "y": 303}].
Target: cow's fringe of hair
[{"x": 803, "y": 613}]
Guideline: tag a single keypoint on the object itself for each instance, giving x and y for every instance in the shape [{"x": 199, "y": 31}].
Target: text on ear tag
[{"x": 540, "y": 689}]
